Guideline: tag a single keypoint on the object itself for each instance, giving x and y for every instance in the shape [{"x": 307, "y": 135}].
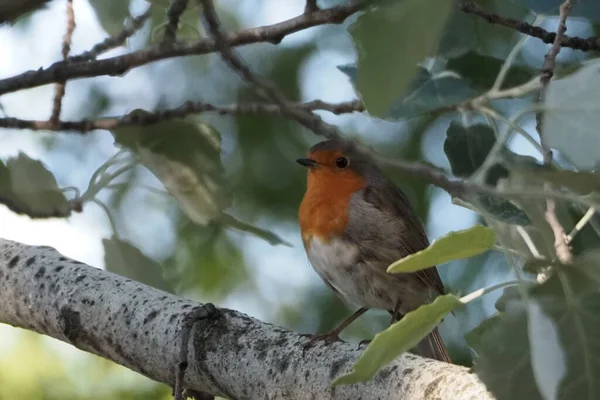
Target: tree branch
[
  {"x": 583, "y": 44},
  {"x": 119, "y": 65},
  {"x": 230, "y": 355},
  {"x": 563, "y": 251},
  {"x": 188, "y": 108},
  {"x": 262, "y": 86},
  {"x": 176, "y": 10},
  {"x": 114, "y": 41}
]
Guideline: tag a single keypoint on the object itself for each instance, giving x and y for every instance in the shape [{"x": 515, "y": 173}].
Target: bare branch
[
  {"x": 119, "y": 65},
  {"x": 583, "y": 44},
  {"x": 563, "y": 251},
  {"x": 66, "y": 48},
  {"x": 306, "y": 118},
  {"x": 230, "y": 354},
  {"x": 188, "y": 108},
  {"x": 114, "y": 41},
  {"x": 176, "y": 9}
]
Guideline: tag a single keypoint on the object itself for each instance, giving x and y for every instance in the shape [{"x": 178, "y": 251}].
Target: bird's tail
[{"x": 433, "y": 347}]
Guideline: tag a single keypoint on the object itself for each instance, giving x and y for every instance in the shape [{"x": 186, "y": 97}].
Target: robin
[{"x": 355, "y": 223}]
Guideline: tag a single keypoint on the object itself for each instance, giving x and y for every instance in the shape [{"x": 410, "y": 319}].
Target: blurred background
[{"x": 213, "y": 263}]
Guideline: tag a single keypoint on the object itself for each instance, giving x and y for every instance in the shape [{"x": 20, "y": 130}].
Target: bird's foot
[
  {"x": 328, "y": 338},
  {"x": 364, "y": 342}
]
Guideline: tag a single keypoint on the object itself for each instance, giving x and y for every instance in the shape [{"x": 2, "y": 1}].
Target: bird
[{"x": 354, "y": 223}]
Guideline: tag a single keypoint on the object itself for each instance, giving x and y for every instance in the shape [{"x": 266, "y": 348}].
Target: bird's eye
[{"x": 342, "y": 162}]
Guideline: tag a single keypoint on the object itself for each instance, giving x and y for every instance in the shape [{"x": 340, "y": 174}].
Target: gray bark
[{"x": 230, "y": 355}]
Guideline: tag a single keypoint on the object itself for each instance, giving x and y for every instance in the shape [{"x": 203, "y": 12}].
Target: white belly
[{"x": 358, "y": 283}]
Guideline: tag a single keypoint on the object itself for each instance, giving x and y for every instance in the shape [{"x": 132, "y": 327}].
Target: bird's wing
[{"x": 393, "y": 205}]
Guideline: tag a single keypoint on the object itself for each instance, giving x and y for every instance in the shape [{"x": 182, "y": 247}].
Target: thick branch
[
  {"x": 119, "y": 65},
  {"x": 231, "y": 355}
]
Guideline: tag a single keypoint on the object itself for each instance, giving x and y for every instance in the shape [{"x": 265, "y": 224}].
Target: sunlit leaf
[
  {"x": 547, "y": 345},
  {"x": 399, "y": 338},
  {"x": 572, "y": 116},
  {"x": 125, "y": 259},
  {"x": 386, "y": 67},
  {"x": 185, "y": 156},
  {"x": 27, "y": 187},
  {"x": 454, "y": 246}
]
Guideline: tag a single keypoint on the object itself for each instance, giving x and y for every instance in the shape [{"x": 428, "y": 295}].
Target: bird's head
[{"x": 335, "y": 165}]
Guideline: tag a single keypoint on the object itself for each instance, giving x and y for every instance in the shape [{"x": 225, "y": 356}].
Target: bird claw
[
  {"x": 328, "y": 338},
  {"x": 364, "y": 342}
]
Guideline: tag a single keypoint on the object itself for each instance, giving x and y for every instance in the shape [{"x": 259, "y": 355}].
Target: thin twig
[
  {"x": 176, "y": 10},
  {"x": 511, "y": 58},
  {"x": 188, "y": 108},
  {"x": 582, "y": 222},
  {"x": 113, "y": 41},
  {"x": 119, "y": 65},
  {"x": 263, "y": 87},
  {"x": 563, "y": 251},
  {"x": 584, "y": 44},
  {"x": 66, "y": 48}
]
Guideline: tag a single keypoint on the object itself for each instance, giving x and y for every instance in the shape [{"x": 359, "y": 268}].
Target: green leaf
[
  {"x": 188, "y": 22},
  {"x": 399, "y": 338},
  {"x": 502, "y": 210},
  {"x": 206, "y": 261},
  {"x": 475, "y": 335},
  {"x": 185, "y": 156},
  {"x": 111, "y": 14},
  {"x": 454, "y": 246},
  {"x": 425, "y": 94},
  {"x": 27, "y": 187},
  {"x": 509, "y": 294},
  {"x": 572, "y": 116},
  {"x": 583, "y": 182},
  {"x": 466, "y": 149},
  {"x": 121, "y": 257},
  {"x": 480, "y": 71},
  {"x": 589, "y": 9},
  {"x": 466, "y": 32},
  {"x": 386, "y": 66},
  {"x": 547, "y": 345}
]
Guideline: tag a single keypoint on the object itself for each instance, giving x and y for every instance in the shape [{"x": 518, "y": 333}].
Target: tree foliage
[{"x": 460, "y": 79}]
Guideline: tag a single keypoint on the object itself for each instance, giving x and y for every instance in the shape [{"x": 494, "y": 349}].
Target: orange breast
[{"x": 324, "y": 209}]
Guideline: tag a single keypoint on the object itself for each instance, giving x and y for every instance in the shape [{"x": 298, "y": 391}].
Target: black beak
[{"x": 307, "y": 162}]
